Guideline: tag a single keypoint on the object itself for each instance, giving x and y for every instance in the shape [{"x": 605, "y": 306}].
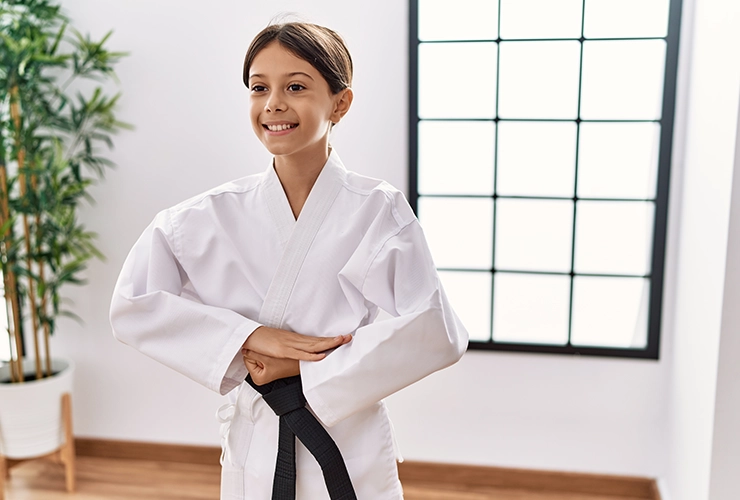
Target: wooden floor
[{"x": 121, "y": 479}]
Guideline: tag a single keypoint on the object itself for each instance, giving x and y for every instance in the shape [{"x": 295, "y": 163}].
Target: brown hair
[{"x": 321, "y": 47}]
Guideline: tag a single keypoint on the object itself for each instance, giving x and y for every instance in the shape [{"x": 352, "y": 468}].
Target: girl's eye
[
  {"x": 258, "y": 88},
  {"x": 295, "y": 87}
]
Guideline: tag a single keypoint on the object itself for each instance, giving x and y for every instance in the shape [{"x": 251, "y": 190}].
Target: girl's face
[{"x": 291, "y": 106}]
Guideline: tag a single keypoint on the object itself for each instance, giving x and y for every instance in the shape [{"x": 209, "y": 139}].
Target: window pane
[
  {"x": 457, "y": 80},
  {"x": 626, "y": 18},
  {"x": 539, "y": 79},
  {"x": 541, "y": 18},
  {"x": 536, "y": 159},
  {"x": 531, "y": 308},
  {"x": 622, "y": 80},
  {"x": 610, "y": 312},
  {"x": 459, "y": 231},
  {"x": 456, "y": 157},
  {"x": 613, "y": 237},
  {"x": 470, "y": 296},
  {"x": 618, "y": 160},
  {"x": 445, "y": 20},
  {"x": 534, "y": 235}
]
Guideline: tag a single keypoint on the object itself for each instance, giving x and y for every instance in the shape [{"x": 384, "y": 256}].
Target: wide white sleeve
[
  {"x": 153, "y": 311},
  {"x": 425, "y": 335}
]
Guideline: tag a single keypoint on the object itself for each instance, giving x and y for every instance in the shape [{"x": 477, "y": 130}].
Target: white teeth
[{"x": 278, "y": 128}]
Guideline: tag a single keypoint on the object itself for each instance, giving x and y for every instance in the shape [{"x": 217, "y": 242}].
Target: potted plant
[{"x": 49, "y": 158}]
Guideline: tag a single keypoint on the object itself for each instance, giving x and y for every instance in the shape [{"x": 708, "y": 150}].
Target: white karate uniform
[{"x": 209, "y": 271}]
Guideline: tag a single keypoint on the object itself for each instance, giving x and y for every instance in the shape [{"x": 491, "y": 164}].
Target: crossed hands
[{"x": 271, "y": 353}]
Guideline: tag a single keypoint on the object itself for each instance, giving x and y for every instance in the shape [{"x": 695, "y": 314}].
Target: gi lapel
[
  {"x": 319, "y": 201},
  {"x": 277, "y": 204}
]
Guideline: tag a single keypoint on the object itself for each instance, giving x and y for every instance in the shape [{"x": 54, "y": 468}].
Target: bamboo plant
[{"x": 49, "y": 158}]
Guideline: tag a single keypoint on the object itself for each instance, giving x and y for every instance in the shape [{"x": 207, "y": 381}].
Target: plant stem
[
  {"x": 47, "y": 332},
  {"x": 11, "y": 291},
  {"x": 9, "y": 283},
  {"x": 31, "y": 288},
  {"x": 16, "y": 372},
  {"x": 16, "y": 116},
  {"x": 11, "y": 362},
  {"x": 16, "y": 366},
  {"x": 42, "y": 283}
]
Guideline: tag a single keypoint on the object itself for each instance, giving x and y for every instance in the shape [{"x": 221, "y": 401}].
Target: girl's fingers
[
  {"x": 306, "y": 356},
  {"x": 251, "y": 365},
  {"x": 319, "y": 344},
  {"x": 284, "y": 344},
  {"x": 252, "y": 355}
]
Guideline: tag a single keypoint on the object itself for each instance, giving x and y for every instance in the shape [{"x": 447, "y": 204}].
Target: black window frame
[{"x": 666, "y": 121}]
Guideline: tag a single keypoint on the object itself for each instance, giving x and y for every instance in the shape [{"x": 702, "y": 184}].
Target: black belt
[{"x": 285, "y": 397}]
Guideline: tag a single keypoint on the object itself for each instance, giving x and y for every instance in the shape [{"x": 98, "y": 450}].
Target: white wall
[
  {"x": 706, "y": 147},
  {"x": 724, "y": 479},
  {"x": 182, "y": 89}
]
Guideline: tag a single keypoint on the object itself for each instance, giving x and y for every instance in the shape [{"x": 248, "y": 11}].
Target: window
[{"x": 540, "y": 149}]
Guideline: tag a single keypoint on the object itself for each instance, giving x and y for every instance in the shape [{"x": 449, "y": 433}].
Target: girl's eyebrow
[
  {"x": 300, "y": 73},
  {"x": 258, "y": 75}
]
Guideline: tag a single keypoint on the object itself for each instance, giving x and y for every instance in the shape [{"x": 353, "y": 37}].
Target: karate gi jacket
[{"x": 209, "y": 271}]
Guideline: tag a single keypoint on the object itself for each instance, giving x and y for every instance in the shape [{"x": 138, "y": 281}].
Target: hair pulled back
[{"x": 321, "y": 47}]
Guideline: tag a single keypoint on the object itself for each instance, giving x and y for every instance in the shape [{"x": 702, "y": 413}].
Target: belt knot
[{"x": 286, "y": 398}]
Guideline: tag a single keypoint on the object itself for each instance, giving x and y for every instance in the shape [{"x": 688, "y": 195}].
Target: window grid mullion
[
  {"x": 525, "y": 197},
  {"x": 495, "y": 173},
  {"x": 575, "y": 120},
  {"x": 546, "y": 273},
  {"x": 524, "y": 40},
  {"x": 575, "y": 178}
]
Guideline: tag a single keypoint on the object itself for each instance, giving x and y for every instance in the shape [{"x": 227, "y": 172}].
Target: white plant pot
[{"x": 31, "y": 422}]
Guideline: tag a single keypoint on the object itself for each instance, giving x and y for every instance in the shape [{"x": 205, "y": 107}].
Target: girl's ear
[{"x": 342, "y": 103}]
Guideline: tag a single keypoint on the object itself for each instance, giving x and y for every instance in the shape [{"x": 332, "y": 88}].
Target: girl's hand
[
  {"x": 283, "y": 344},
  {"x": 265, "y": 369}
]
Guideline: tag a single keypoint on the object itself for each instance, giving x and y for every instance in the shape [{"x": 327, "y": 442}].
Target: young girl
[{"x": 278, "y": 277}]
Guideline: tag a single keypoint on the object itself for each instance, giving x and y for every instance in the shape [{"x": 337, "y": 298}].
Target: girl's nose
[{"x": 275, "y": 102}]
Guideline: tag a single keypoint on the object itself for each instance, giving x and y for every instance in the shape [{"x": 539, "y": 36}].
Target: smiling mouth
[{"x": 281, "y": 127}]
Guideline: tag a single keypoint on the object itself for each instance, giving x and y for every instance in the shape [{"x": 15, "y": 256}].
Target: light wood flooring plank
[
  {"x": 115, "y": 479},
  {"x": 430, "y": 491}
]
